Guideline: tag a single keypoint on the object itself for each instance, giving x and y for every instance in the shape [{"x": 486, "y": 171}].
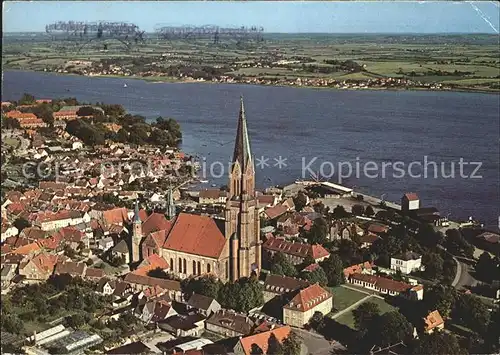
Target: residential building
[
  {"x": 261, "y": 340},
  {"x": 406, "y": 262},
  {"x": 410, "y": 202},
  {"x": 309, "y": 300},
  {"x": 387, "y": 286},
  {"x": 203, "y": 304},
  {"x": 363, "y": 268},
  {"x": 433, "y": 321},
  {"x": 212, "y": 196},
  {"x": 184, "y": 325},
  {"x": 277, "y": 285},
  {"x": 229, "y": 323},
  {"x": 294, "y": 251}
]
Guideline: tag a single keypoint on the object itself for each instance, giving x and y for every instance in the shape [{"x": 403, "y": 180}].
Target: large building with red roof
[
  {"x": 196, "y": 245},
  {"x": 306, "y": 302}
]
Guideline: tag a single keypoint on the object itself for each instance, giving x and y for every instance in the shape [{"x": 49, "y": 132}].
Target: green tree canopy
[
  {"x": 274, "y": 347},
  {"x": 300, "y": 201},
  {"x": 433, "y": 263},
  {"x": 357, "y": 210},
  {"x": 365, "y": 315},
  {"x": 334, "y": 270},
  {"x": 438, "y": 343},
  {"x": 390, "y": 328},
  {"x": 282, "y": 266},
  {"x": 316, "y": 276}
]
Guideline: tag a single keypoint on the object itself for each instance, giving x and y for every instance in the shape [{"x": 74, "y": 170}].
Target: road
[
  {"x": 463, "y": 276},
  {"x": 354, "y": 305}
]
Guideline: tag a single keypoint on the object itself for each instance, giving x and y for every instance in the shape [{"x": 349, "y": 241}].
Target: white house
[
  {"x": 8, "y": 231},
  {"x": 410, "y": 202},
  {"x": 105, "y": 243},
  {"x": 406, "y": 262}
]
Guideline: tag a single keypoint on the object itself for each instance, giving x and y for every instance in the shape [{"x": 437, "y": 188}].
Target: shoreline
[{"x": 171, "y": 80}]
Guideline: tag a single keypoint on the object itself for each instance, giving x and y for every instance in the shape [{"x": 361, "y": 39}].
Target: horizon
[{"x": 345, "y": 17}]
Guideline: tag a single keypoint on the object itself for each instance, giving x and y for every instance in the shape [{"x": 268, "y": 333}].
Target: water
[{"x": 334, "y": 126}]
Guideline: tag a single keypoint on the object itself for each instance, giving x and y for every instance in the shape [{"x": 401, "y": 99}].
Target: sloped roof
[
  {"x": 115, "y": 216},
  {"x": 308, "y": 298},
  {"x": 262, "y": 339},
  {"x": 194, "y": 234},
  {"x": 297, "y": 249},
  {"x": 433, "y": 320},
  {"x": 155, "y": 222},
  {"x": 411, "y": 196},
  {"x": 200, "y": 301},
  {"x": 280, "y": 284}
]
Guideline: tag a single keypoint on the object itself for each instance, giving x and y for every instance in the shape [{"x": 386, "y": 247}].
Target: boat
[
  {"x": 124, "y": 85},
  {"x": 214, "y": 185},
  {"x": 204, "y": 181}
]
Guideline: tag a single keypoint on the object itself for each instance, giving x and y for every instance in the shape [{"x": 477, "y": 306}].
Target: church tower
[
  {"x": 170, "y": 204},
  {"x": 242, "y": 226},
  {"x": 136, "y": 236}
]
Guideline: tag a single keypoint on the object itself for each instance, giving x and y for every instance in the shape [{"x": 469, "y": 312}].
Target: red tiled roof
[
  {"x": 265, "y": 199},
  {"x": 27, "y": 249},
  {"x": 357, "y": 269},
  {"x": 382, "y": 282},
  {"x": 411, "y": 196},
  {"x": 308, "y": 298},
  {"x": 115, "y": 216},
  {"x": 433, "y": 320},
  {"x": 311, "y": 267},
  {"x": 133, "y": 278},
  {"x": 276, "y": 211},
  {"x": 210, "y": 193},
  {"x": 94, "y": 273},
  {"x": 195, "y": 234},
  {"x": 377, "y": 228},
  {"x": 156, "y": 261},
  {"x": 155, "y": 222},
  {"x": 262, "y": 339},
  {"x": 298, "y": 249}
]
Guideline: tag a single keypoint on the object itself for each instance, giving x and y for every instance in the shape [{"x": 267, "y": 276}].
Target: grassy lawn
[
  {"x": 348, "y": 318},
  {"x": 344, "y": 297},
  {"x": 12, "y": 142}
]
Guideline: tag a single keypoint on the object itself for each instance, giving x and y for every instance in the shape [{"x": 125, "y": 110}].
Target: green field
[
  {"x": 460, "y": 61},
  {"x": 348, "y": 318},
  {"x": 344, "y": 297}
]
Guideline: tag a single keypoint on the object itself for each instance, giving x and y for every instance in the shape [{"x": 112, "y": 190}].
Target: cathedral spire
[
  {"x": 242, "y": 153},
  {"x": 136, "y": 212}
]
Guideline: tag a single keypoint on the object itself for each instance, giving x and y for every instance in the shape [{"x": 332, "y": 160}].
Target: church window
[
  {"x": 185, "y": 266},
  {"x": 199, "y": 268},
  {"x": 172, "y": 264},
  {"x": 180, "y": 265},
  {"x": 194, "y": 267},
  {"x": 227, "y": 269},
  {"x": 208, "y": 268}
]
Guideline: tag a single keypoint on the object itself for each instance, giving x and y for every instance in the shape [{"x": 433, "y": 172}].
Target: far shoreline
[{"x": 170, "y": 80}]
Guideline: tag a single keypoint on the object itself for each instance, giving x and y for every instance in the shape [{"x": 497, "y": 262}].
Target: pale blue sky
[{"x": 336, "y": 17}]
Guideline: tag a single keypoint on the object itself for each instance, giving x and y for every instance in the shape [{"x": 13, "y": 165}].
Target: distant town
[{"x": 111, "y": 243}]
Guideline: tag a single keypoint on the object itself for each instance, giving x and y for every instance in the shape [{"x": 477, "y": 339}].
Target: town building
[
  {"x": 294, "y": 251},
  {"x": 194, "y": 245},
  {"x": 410, "y": 202},
  {"x": 203, "y": 304},
  {"x": 406, "y": 262},
  {"x": 433, "y": 322},
  {"x": 212, "y": 196},
  {"x": 309, "y": 300},
  {"x": 277, "y": 286},
  {"x": 387, "y": 286},
  {"x": 229, "y": 323},
  {"x": 246, "y": 345}
]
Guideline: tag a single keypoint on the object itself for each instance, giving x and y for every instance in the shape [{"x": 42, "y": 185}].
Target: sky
[{"x": 284, "y": 17}]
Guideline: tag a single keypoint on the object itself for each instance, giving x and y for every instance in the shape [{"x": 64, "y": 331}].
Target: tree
[
  {"x": 300, "y": 201},
  {"x": 442, "y": 298},
  {"x": 438, "y": 343},
  {"x": 472, "y": 312},
  {"x": 317, "y": 321},
  {"x": 340, "y": 212},
  {"x": 26, "y": 99},
  {"x": 485, "y": 267},
  {"x": 207, "y": 286},
  {"x": 76, "y": 320},
  {"x": 428, "y": 236},
  {"x": 44, "y": 111},
  {"x": 492, "y": 335},
  {"x": 433, "y": 265},
  {"x": 334, "y": 270},
  {"x": 10, "y": 123},
  {"x": 12, "y": 324},
  {"x": 281, "y": 263},
  {"x": 390, "y": 328},
  {"x": 159, "y": 274},
  {"x": 21, "y": 223},
  {"x": 318, "y": 232},
  {"x": 292, "y": 344},
  {"x": 449, "y": 270},
  {"x": 256, "y": 350},
  {"x": 357, "y": 210},
  {"x": 369, "y": 211},
  {"x": 242, "y": 295},
  {"x": 364, "y": 315},
  {"x": 122, "y": 136},
  {"x": 274, "y": 347},
  {"x": 456, "y": 244},
  {"x": 316, "y": 276}
]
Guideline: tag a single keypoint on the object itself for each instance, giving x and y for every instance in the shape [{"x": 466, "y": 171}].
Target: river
[{"x": 317, "y": 129}]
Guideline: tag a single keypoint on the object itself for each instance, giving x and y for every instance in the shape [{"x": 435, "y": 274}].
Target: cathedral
[{"x": 195, "y": 245}]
